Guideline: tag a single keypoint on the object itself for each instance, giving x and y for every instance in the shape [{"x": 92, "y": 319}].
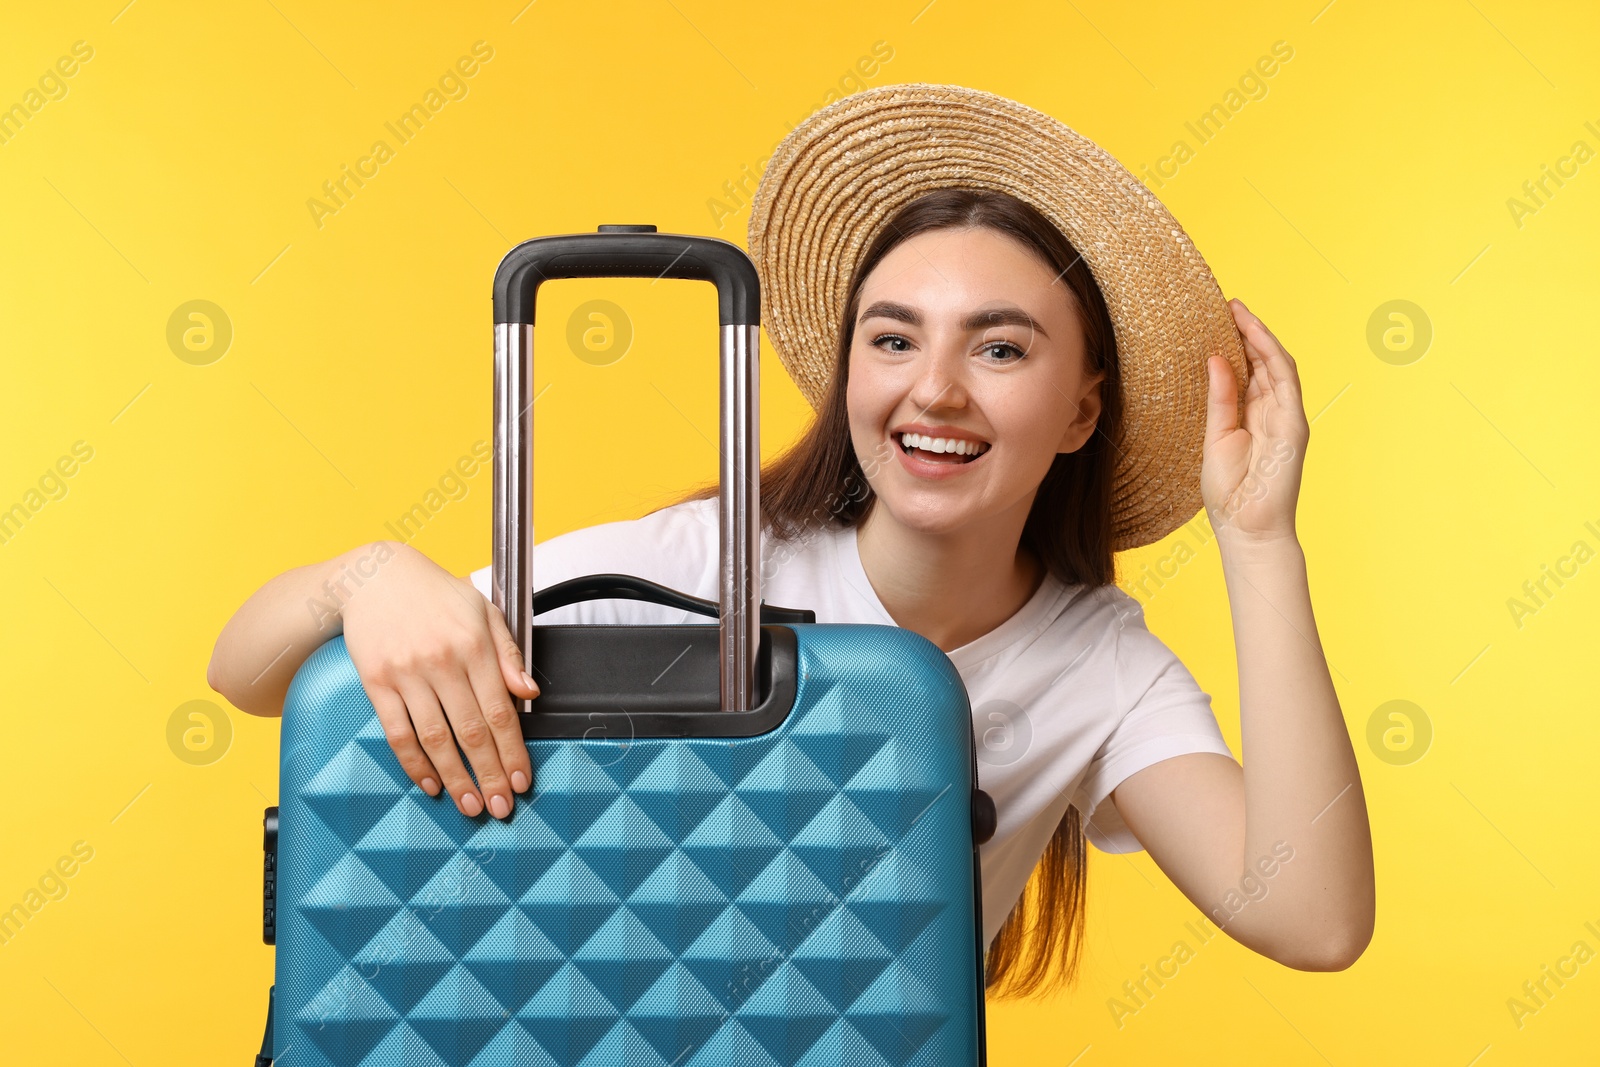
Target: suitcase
[{"x": 749, "y": 842}]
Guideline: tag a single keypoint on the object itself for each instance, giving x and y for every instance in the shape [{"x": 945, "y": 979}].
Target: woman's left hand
[{"x": 1251, "y": 467}]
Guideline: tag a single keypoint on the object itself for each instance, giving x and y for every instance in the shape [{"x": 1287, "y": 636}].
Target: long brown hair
[{"x": 820, "y": 482}]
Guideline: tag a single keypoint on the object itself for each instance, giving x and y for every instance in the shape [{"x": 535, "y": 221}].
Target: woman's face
[{"x": 966, "y": 341}]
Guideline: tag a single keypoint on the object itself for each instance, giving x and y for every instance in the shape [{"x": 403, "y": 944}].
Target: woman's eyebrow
[{"x": 1009, "y": 315}]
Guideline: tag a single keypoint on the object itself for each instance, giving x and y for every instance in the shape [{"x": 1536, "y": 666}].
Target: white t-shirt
[{"x": 1069, "y": 696}]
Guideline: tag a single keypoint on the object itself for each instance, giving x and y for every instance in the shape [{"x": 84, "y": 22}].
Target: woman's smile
[{"x": 937, "y": 452}]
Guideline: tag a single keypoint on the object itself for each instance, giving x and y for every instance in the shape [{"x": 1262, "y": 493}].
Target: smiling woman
[
  {"x": 1022, "y": 355},
  {"x": 977, "y": 367},
  {"x": 1020, "y": 366},
  {"x": 1017, "y": 379},
  {"x": 985, "y": 337}
]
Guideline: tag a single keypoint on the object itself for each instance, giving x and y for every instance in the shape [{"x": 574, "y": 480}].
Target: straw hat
[{"x": 839, "y": 175}]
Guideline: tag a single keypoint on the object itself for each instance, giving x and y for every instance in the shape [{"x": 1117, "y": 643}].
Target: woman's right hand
[{"x": 440, "y": 667}]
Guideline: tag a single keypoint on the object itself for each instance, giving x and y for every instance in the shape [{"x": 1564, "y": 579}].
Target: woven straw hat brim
[{"x": 837, "y": 178}]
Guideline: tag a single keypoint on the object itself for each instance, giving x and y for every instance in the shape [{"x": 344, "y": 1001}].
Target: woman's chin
[{"x": 934, "y": 515}]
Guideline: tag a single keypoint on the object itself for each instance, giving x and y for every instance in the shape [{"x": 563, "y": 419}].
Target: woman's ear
[{"x": 1087, "y": 415}]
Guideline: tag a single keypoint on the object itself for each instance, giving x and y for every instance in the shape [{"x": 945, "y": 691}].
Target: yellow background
[{"x": 1377, "y": 167}]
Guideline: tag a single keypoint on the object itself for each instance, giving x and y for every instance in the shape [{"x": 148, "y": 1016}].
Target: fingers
[
  {"x": 402, "y": 737},
  {"x": 439, "y": 742},
  {"x": 1254, "y": 379},
  {"x": 1261, "y": 372},
  {"x": 478, "y": 740},
  {"x": 1280, "y": 375},
  {"x": 505, "y": 725},
  {"x": 512, "y": 669},
  {"x": 1222, "y": 404},
  {"x": 1266, "y": 351}
]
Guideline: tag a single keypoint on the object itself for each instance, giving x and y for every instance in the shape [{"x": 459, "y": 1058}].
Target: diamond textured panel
[{"x": 798, "y": 898}]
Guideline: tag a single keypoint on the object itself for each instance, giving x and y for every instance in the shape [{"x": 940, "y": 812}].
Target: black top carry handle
[
  {"x": 630, "y": 587},
  {"x": 628, "y": 252},
  {"x": 635, "y": 252}
]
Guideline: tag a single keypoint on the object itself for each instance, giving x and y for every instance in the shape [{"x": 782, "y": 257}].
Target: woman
[{"x": 991, "y": 428}]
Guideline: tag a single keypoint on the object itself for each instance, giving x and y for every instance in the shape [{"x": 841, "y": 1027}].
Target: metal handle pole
[
  {"x": 739, "y": 498},
  {"x": 513, "y": 480},
  {"x": 739, "y": 502}
]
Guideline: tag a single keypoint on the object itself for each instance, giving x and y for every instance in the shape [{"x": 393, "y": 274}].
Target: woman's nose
[{"x": 940, "y": 380}]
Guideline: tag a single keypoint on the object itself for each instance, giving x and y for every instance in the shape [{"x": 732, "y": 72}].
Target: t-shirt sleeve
[
  {"x": 675, "y": 547},
  {"x": 1166, "y": 714}
]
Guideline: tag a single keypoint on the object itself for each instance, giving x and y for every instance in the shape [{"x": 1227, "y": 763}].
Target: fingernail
[
  {"x": 527, "y": 680},
  {"x": 499, "y": 806},
  {"x": 430, "y": 787},
  {"x": 519, "y": 781},
  {"x": 471, "y": 804}
]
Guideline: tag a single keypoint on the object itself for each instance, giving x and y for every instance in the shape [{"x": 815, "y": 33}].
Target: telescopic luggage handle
[{"x": 634, "y": 252}]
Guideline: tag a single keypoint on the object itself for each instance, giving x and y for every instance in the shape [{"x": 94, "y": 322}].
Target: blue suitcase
[{"x": 748, "y": 843}]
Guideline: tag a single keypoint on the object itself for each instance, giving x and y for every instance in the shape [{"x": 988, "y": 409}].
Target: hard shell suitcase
[{"x": 749, "y": 843}]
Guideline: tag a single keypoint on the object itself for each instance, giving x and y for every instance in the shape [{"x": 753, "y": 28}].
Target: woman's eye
[
  {"x": 890, "y": 337},
  {"x": 1005, "y": 348}
]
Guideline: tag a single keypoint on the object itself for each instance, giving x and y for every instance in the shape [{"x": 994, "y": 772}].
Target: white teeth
[{"x": 943, "y": 444}]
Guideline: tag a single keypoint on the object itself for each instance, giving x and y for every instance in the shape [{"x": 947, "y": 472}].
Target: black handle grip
[
  {"x": 628, "y": 587},
  {"x": 627, "y": 252}
]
